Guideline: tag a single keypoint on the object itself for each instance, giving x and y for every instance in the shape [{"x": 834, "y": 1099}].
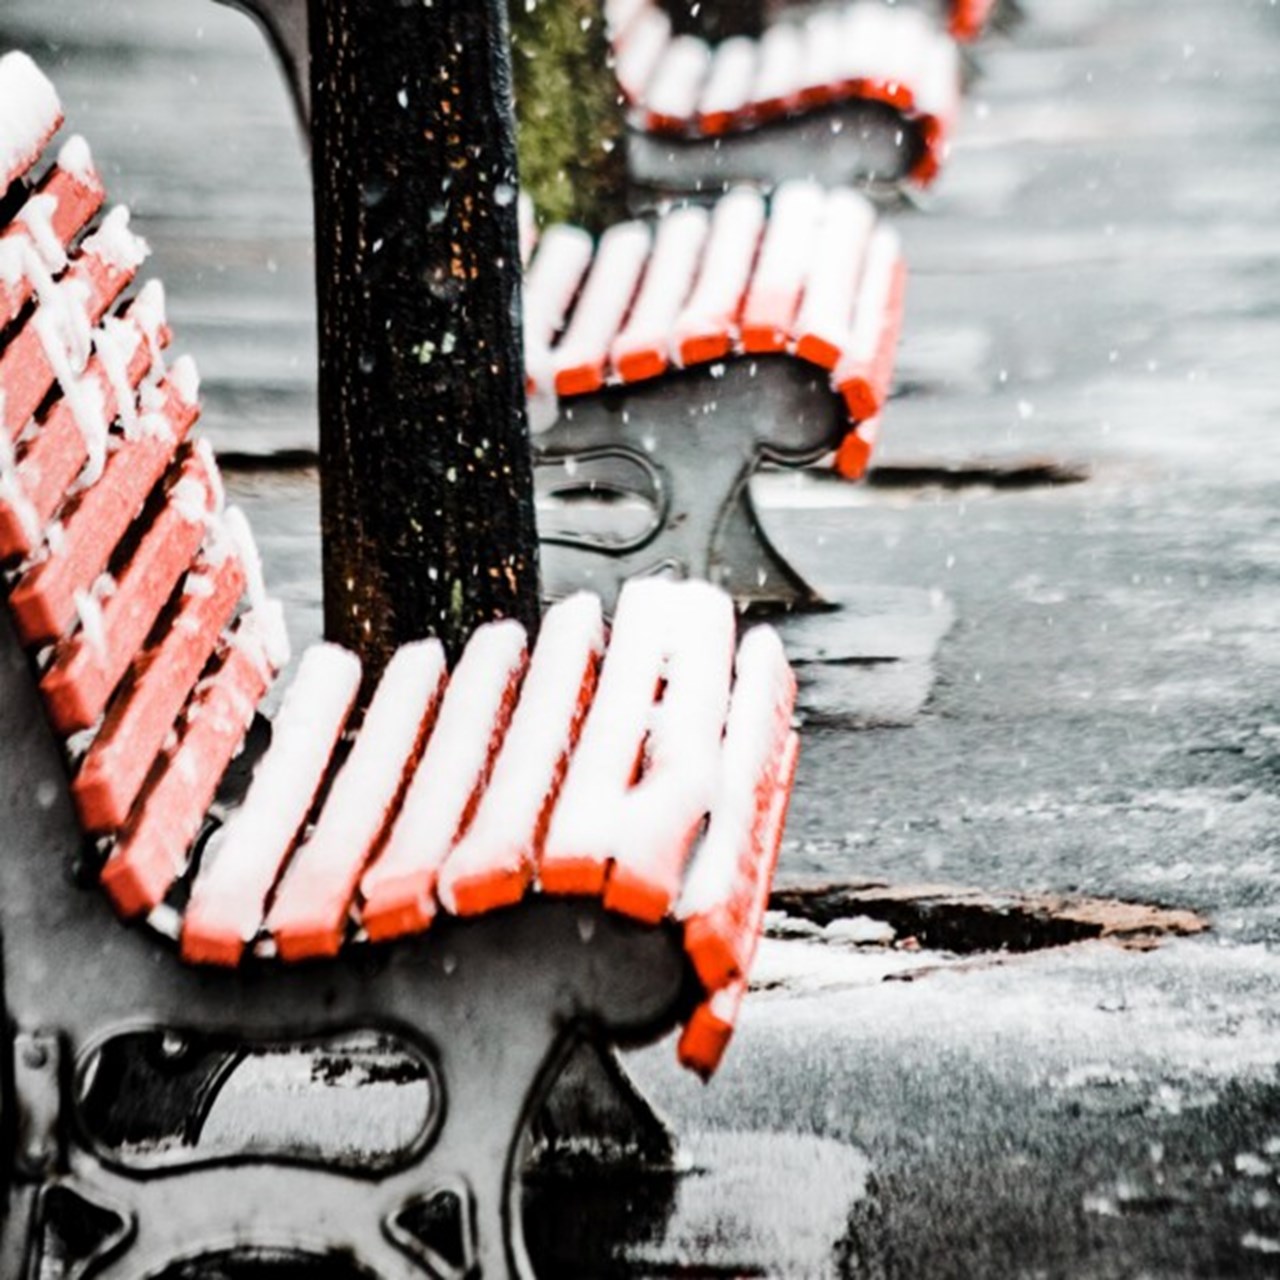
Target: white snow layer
[
  {"x": 454, "y": 763},
  {"x": 231, "y": 889},
  {"x": 758, "y": 725},
  {"x": 503, "y": 831},
  {"x": 29, "y": 112},
  {"x": 359, "y": 804}
]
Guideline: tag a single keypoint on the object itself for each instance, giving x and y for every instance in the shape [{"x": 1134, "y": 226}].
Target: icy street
[{"x": 1068, "y": 569}]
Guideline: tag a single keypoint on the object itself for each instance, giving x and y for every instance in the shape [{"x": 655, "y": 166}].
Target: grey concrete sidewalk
[{"x": 1093, "y": 299}]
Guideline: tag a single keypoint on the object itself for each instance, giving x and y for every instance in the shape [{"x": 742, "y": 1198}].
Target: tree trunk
[
  {"x": 426, "y": 484},
  {"x": 572, "y": 125}
]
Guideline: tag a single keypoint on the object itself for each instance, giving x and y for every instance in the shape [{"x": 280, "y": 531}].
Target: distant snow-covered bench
[
  {"x": 670, "y": 360},
  {"x": 763, "y": 109}
]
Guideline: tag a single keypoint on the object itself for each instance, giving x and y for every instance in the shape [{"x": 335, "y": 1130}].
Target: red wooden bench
[
  {"x": 548, "y": 844},
  {"x": 860, "y": 91},
  {"x": 671, "y": 360}
]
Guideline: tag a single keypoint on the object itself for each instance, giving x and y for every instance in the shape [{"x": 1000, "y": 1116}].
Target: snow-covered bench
[
  {"x": 668, "y": 362},
  {"x": 557, "y": 843},
  {"x": 860, "y": 91}
]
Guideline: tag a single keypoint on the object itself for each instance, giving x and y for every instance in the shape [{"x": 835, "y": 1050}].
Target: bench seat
[
  {"x": 669, "y": 361},
  {"x": 680, "y": 89}
]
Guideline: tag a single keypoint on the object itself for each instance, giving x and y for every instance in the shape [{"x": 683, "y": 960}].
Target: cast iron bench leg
[{"x": 699, "y": 437}]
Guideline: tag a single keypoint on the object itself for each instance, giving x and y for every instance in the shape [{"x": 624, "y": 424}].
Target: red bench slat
[
  {"x": 835, "y": 270},
  {"x": 727, "y": 93},
  {"x": 309, "y": 915},
  {"x": 672, "y": 95},
  {"x": 32, "y": 116},
  {"x": 969, "y": 17},
  {"x": 780, "y": 71},
  {"x": 153, "y": 850},
  {"x": 147, "y": 705},
  {"x": 779, "y": 277},
  {"x": 399, "y": 888},
  {"x": 63, "y": 204},
  {"x": 639, "y": 49},
  {"x": 823, "y": 58},
  {"x": 706, "y": 327},
  {"x": 643, "y": 348},
  {"x": 54, "y": 456},
  {"x": 620, "y": 259},
  {"x": 853, "y": 456},
  {"x": 559, "y": 264},
  {"x": 493, "y": 864},
  {"x": 230, "y": 893},
  {"x": 865, "y": 368},
  {"x": 89, "y": 665},
  {"x": 710, "y": 1027},
  {"x": 108, "y": 260},
  {"x": 579, "y": 844},
  {"x": 43, "y": 602},
  {"x": 663, "y": 811},
  {"x": 724, "y": 896},
  {"x": 705, "y": 1037}
]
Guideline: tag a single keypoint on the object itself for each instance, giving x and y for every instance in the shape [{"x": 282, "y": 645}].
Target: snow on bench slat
[
  {"x": 43, "y": 602},
  {"x": 54, "y": 342},
  {"x": 399, "y": 888},
  {"x": 231, "y": 888},
  {"x": 831, "y": 284},
  {"x": 868, "y": 45},
  {"x": 938, "y": 97},
  {"x": 53, "y": 457},
  {"x": 823, "y": 57},
  {"x": 636, "y": 57},
  {"x": 710, "y": 1027},
  {"x": 663, "y": 812},
  {"x": 642, "y": 349},
  {"x": 672, "y": 96},
  {"x": 43, "y": 228},
  {"x": 620, "y": 14},
  {"x": 705, "y": 329},
  {"x": 309, "y": 915},
  {"x": 727, "y": 92},
  {"x": 154, "y": 849},
  {"x": 794, "y": 216},
  {"x": 89, "y": 665},
  {"x": 561, "y": 260},
  {"x": 780, "y": 73},
  {"x": 729, "y": 877},
  {"x": 579, "y": 358},
  {"x": 585, "y": 822},
  {"x": 865, "y": 368},
  {"x": 493, "y": 865},
  {"x": 30, "y": 114},
  {"x": 148, "y": 703}
]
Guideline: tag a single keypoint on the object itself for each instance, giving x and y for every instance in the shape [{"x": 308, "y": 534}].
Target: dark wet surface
[{"x": 1094, "y": 286}]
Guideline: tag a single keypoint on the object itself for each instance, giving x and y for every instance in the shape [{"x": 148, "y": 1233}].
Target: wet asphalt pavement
[{"x": 1093, "y": 298}]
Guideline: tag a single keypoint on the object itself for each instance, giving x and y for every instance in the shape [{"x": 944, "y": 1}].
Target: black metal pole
[{"x": 426, "y": 483}]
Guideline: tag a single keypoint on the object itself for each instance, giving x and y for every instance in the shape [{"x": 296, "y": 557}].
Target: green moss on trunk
[{"x": 571, "y": 122}]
